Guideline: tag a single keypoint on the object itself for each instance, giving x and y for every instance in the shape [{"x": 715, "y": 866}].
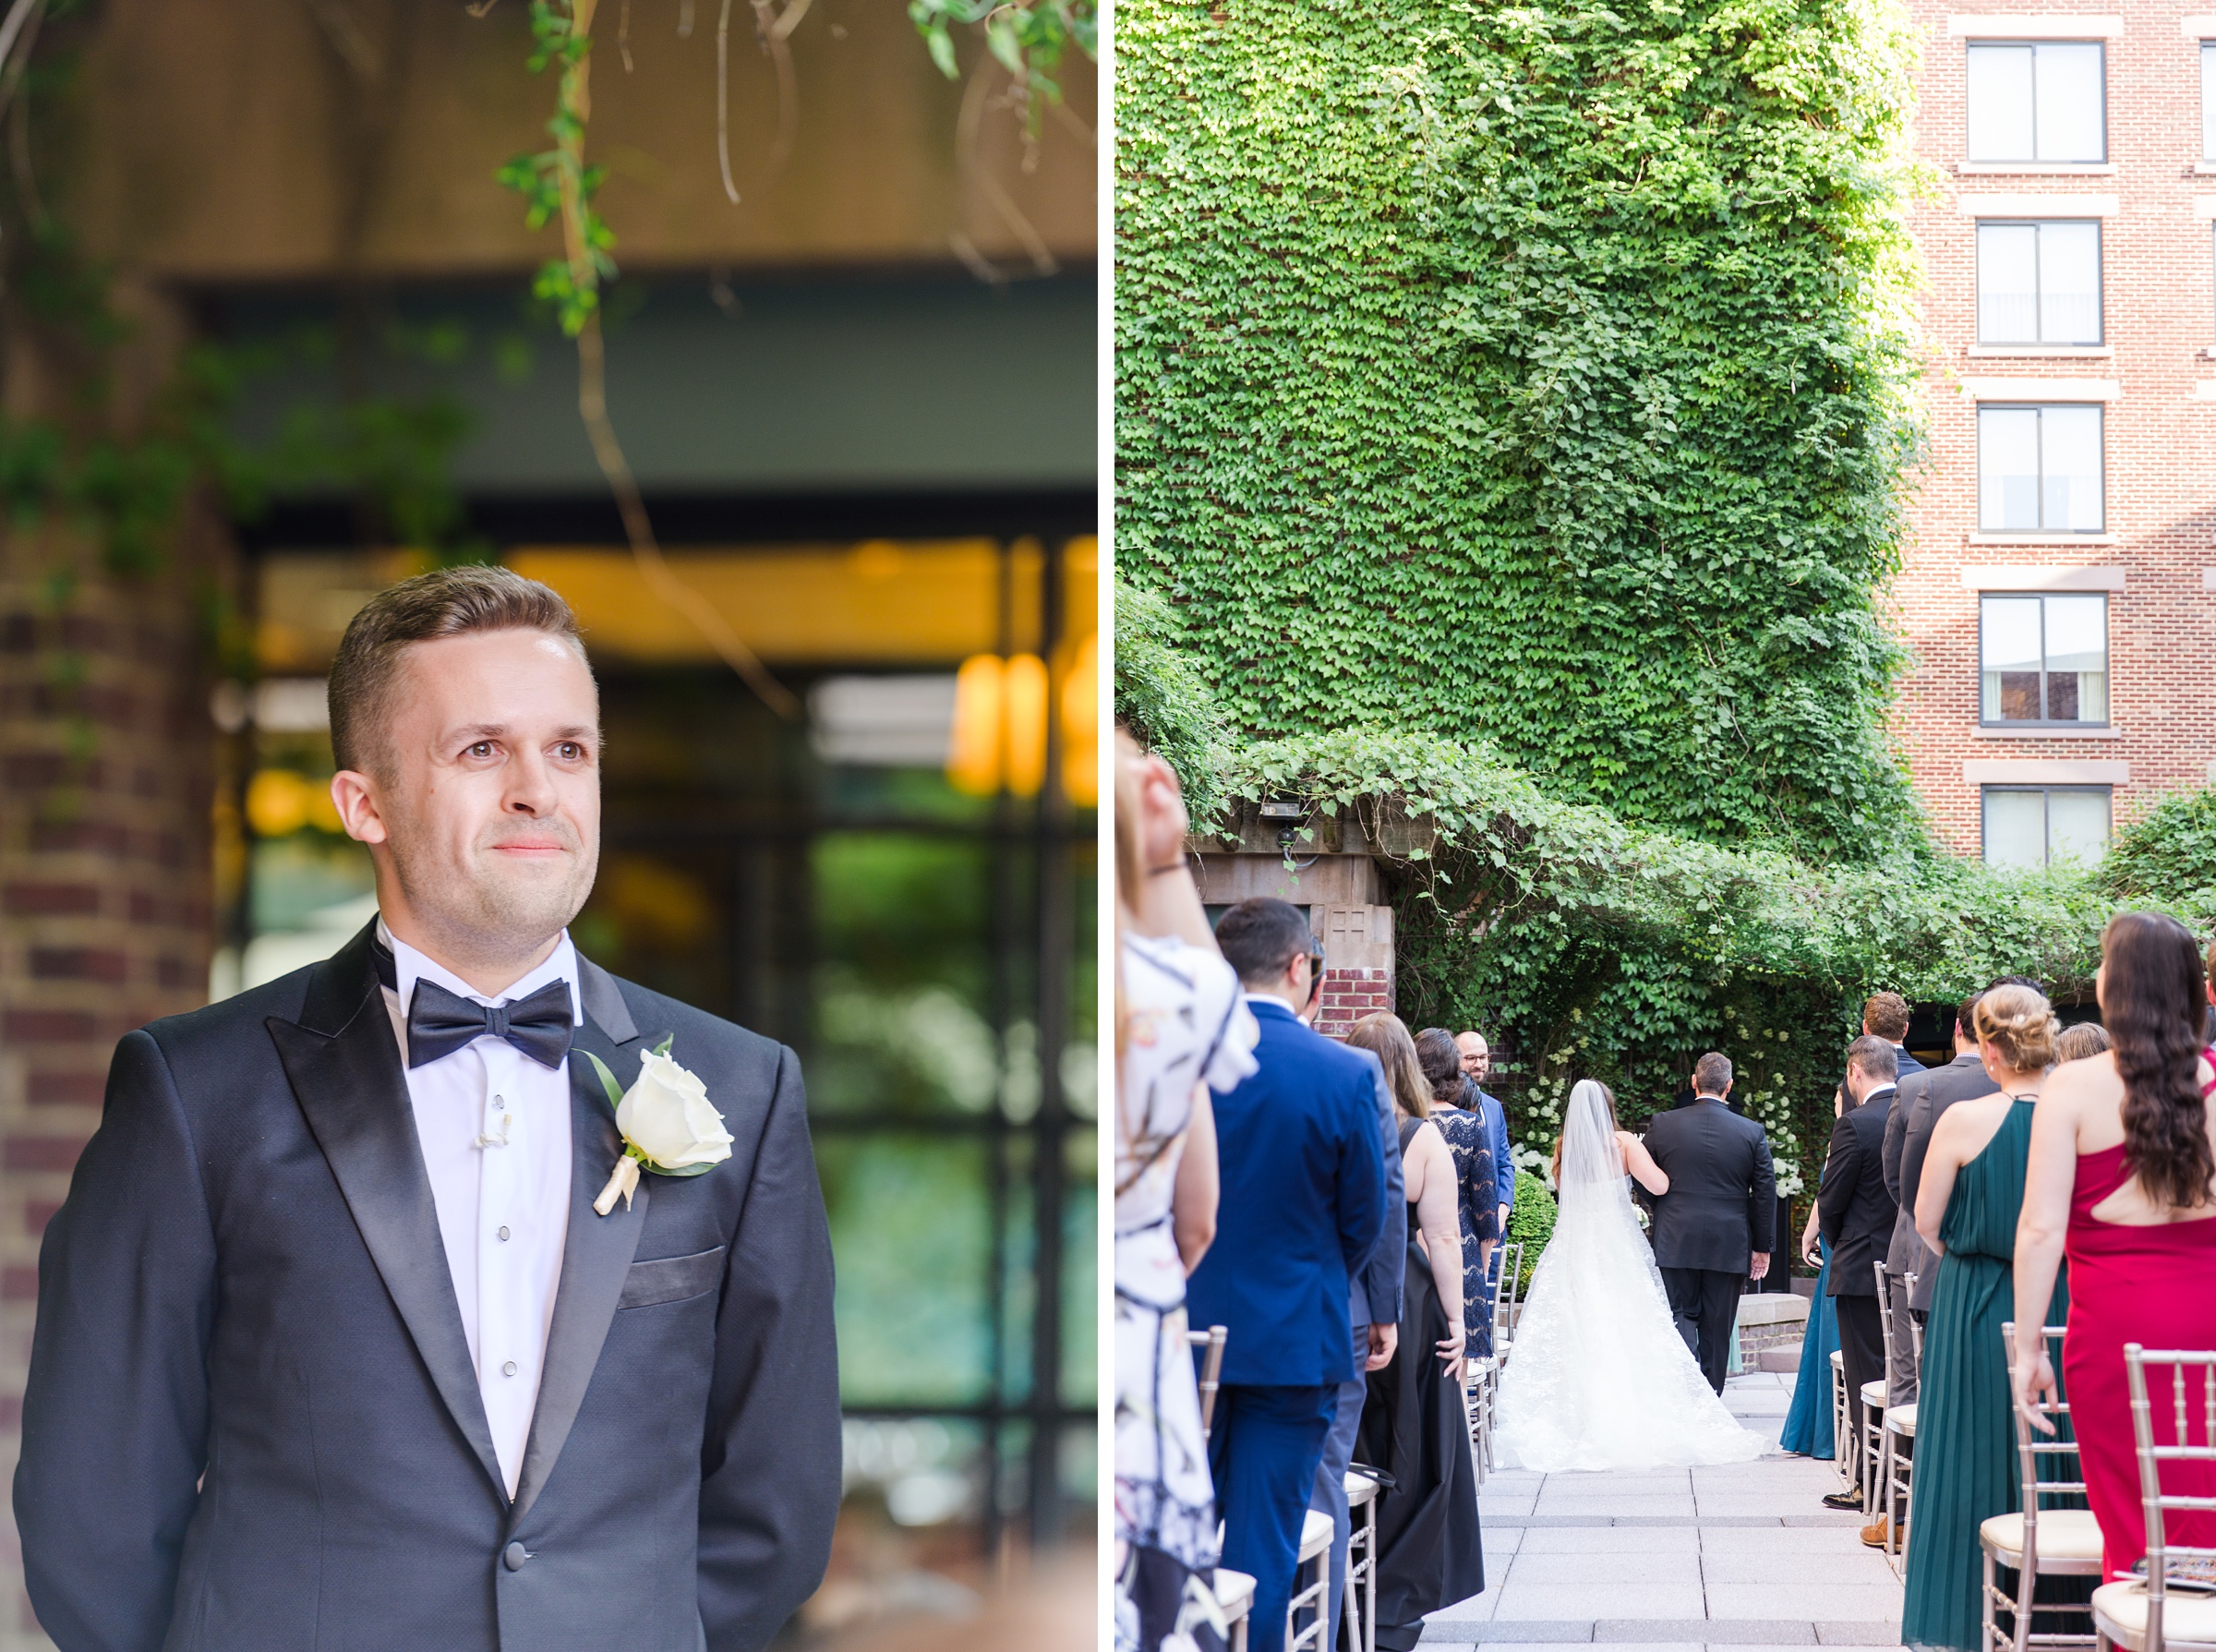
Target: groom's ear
[{"x": 356, "y": 795}]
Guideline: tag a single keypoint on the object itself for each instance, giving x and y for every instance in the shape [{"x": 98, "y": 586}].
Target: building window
[
  {"x": 2208, "y": 100},
  {"x": 2039, "y": 825},
  {"x": 2042, "y": 659},
  {"x": 2038, "y": 470},
  {"x": 2037, "y": 101},
  {"x": 2040, "y": 284}
]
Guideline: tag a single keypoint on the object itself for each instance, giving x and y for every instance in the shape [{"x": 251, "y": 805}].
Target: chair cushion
[
  {"x": 1360, "y": 1489},
  {"x": 2120, "y": 1609},
  {"x": 1873, "y": 1393},
  {"x": 1316, "y": 1533},
  {"x": 1839, "y": 1360},
  {"x": 1901, "y": 1419},
  {"x": 2064, "y": 1535},
  {"x": 1234, "y": 1592}
]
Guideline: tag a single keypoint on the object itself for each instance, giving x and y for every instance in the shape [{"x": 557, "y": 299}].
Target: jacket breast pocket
[{"x": 672, "y": 1278}]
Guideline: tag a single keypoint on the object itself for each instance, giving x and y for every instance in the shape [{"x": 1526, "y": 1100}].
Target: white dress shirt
[{"x": 494, "y": 1126}]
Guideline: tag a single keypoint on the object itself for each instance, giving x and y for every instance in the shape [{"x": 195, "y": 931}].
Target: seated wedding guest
[
  {"x": 2077, "y": 1043},
  {"x": 1373, "y": 1310},
  {"x": 1967, "y": 1205},
  {"x": 1414, "y": 1426},
  {"x": 1480, "y": 1211},
  {"x": 1302, "y": 1178},
  {"x": 2120, "y": 1177},
  {"x": 1924, "y": 1094},
  {"x": 1808, "y": 1431},
  {"x": 1855, "y": 1217},
  {"x": 1476, "y": 1062},
  {"x": 1182, "y": 1028}
]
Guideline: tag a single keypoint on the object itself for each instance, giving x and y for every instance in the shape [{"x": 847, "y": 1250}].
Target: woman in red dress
[{"x": 2122, "y": 1176}]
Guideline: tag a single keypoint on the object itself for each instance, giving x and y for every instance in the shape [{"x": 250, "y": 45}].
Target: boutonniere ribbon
[{"x": 667, "y": 1124}]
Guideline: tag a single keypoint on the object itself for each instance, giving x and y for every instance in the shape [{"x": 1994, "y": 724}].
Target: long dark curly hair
[
  {"x": 2153, "y": 996},
  {"x": 1441, "y": 1058}
]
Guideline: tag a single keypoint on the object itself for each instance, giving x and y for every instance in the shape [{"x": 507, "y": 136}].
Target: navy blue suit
[{"x": 1301, "y": 1164}]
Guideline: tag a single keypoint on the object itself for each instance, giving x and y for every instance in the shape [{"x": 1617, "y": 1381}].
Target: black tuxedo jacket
[
  {"x": 1854, "y": 1211},
  {"x": 252, "y": 1423},
  {"x": 1722, "y": 1203}
]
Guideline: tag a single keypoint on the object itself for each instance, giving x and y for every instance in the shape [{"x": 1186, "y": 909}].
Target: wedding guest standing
[
  {"x": 1476, "y": 1062},
  {"x": 1855, "y": 1216},
  {"x": 1302, "y": 1178},
  {"x": 1415, "y": 1428},
  {"x": 1373, "y": 1311},
  {"x": 1808, "y": 1431},
  {"x": 1925, "y": 1097},
  {"x": 2120, "y": 1178},
  {"x": 343, "y": 1334},
  {"x": 1182, "y": 1028},
  {"x": 2085, "y": 1040},
  {"x": 1966, "y": 1206},
  {"x": 1457, "y": 1114}
]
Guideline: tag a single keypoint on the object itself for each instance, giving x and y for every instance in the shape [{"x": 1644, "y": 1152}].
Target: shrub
[{"x": 1531, "y": 1224}]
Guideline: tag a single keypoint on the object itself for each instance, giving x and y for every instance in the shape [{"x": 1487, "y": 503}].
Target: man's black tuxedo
[
  {"x": 1722, "y": 1203},
  {"x": 1721, "y": 1207},
  {"x": 252, "y": 1422},
  {"x": 1854, "y": 1211}
]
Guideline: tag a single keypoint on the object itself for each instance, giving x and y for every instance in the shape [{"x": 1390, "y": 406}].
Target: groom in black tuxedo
[
  {"x": 1714, "y": 1229},
  {"x": 333, "y": 1347}
]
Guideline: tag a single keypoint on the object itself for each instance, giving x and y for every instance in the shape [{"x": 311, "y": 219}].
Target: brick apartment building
[{"x": 2060, "y": 586}]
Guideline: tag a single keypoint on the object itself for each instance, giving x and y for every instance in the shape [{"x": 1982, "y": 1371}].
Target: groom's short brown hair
[
  {"x": 1712, "y": 1074},
  {"x": 446, "y": 602}
]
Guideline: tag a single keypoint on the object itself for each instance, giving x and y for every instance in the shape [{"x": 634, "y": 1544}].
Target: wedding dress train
[{"x": 1598, "y": 1377}]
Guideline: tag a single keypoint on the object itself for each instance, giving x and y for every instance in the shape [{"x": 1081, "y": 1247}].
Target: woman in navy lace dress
[{"x": 1476, "y": 1188}]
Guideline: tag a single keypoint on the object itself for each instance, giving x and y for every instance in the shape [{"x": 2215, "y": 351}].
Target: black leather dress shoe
[{"x": 1849, "y": 1498}]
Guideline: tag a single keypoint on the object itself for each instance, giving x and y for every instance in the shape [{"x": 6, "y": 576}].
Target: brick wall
[
  {"x": 106, "y": 783},
  {"x": 2159, "y": 322},
  {"x": 1348, "y": 996}
]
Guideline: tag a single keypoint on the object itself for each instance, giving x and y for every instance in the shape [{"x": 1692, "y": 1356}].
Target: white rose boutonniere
[{"x": 667, "y": 1124}]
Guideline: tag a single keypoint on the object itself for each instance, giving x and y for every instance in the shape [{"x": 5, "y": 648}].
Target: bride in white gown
[{"x": 1598, "y": 1376}]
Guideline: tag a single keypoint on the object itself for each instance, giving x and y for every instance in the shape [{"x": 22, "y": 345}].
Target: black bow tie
[{"x": 440, "y": 1022}]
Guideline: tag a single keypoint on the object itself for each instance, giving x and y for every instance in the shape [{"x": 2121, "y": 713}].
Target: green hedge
[{"x": 1530, "y": 1223}]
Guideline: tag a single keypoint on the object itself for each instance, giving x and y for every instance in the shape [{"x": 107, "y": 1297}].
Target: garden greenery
[{"x": 1536, "y": 373}]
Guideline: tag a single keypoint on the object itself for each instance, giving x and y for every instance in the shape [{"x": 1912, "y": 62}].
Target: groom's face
[{"x": 488, "y": 795}]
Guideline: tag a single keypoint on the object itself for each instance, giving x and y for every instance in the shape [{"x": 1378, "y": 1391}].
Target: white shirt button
[
  {"x": 503, "y": 1233},
  {"x": 507, "y": 1369}
]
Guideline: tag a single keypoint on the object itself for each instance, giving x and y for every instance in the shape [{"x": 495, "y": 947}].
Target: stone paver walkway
[{"x": 1743, "y": 1556}]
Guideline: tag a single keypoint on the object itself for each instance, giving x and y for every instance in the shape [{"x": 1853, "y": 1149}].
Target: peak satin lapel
[
  {"x": 349, "y": 1084},
  {"x": 595, "y": 1255}
]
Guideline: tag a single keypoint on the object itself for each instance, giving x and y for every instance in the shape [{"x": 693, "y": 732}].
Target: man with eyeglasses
[{"x": 1301, "y": 1166}]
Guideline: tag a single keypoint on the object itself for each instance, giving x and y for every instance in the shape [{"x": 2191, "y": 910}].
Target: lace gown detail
[
  {"x": 1597, "y": 1377},
  {"x": 1475, "y": 1199}
]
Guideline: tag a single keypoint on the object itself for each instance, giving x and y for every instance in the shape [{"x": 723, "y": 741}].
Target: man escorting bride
[{"x": 1601, "y": 1377}]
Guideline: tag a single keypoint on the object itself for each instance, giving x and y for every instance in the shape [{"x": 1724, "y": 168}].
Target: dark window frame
[
  {"x": 2041, "y": 408},
  {"x": 2046, "y": 791},
  {"x": 2100, "y": 45},
  {"x": 2099, "y": 341},
  {"x": 2042, "y": 722}
]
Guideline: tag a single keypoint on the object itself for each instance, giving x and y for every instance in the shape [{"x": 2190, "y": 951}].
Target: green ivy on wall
[
  {"x": 1530, "y": 373},
  {"x": 1614, "y": 951}
]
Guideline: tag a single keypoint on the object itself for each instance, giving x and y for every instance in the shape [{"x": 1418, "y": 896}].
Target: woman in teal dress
[
  {"x": 1967, "y": 1204},
  {"x": 1808, "y": 1426},
  {"x": 1807, "y": 1431}
]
